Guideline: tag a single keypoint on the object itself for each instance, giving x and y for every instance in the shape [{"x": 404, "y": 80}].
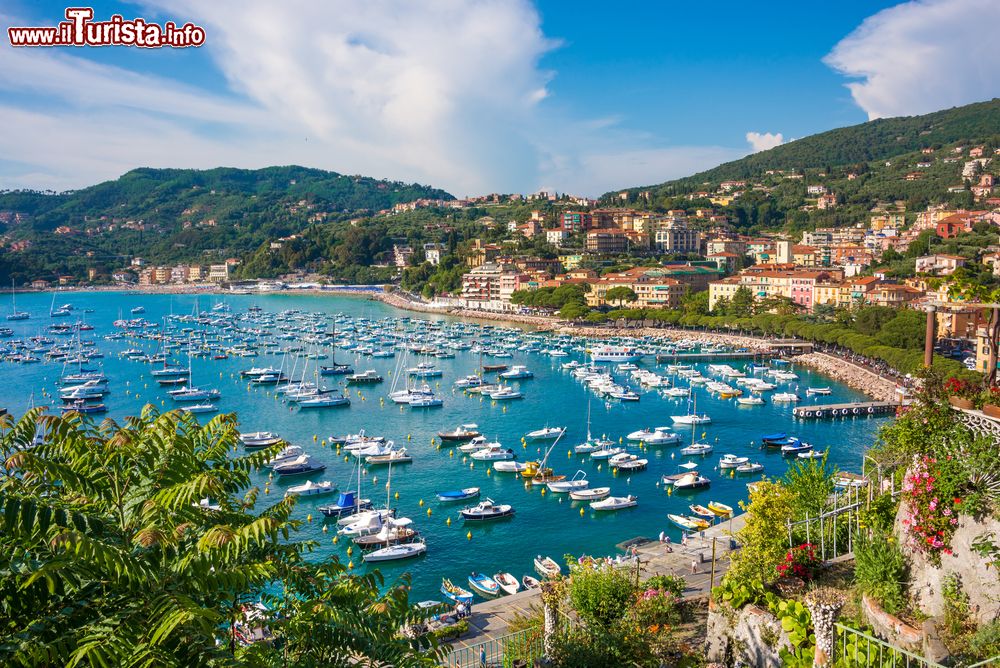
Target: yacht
[{"x": 656, "y": 436}]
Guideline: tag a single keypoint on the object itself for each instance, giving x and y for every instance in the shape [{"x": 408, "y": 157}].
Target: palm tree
[{"x": 109, "y": 557}]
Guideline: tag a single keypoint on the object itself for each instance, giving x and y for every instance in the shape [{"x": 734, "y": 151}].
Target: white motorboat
[
  {"x": 487, "y": 510},
  {"x": 691, "y": 418},
  {"x": 311, "y": 488},
  {"x": 494, "y": 452},
  {"x": 505, "y": 393},
  {"x": 729, "y": 461},
  {"x": 593, "y": 494},
  {"x": 509, "y": 466},
  {"x": 609, "y": 353},
  {"x": 200, "y": 408},
  {"x": 810, "y": 391},
  {"x": 752, "y": 400},
  {"x": 395, "y": 552},
  {"x": 691, "y": 480},
  {"x": 301, "y": 465},
  {"x": 577, "y": 482},
  {"x": 786, "y": 397},
  {"x": 696, "y": 449},
  {"x": 259, "y": 439},
  {"x": 545, "y": 433},
  {"x": 750, "y": 467},
  {"x": 615, "y": 503},
  {"x": 363, "y": 514},
  {"x": 606, "y": 452},
  {"x": 625, "y": 461},
  {"x": 676, "y": 392},
  {"x": 517, "y": 372},
  {"x": 656, "y": 436}
]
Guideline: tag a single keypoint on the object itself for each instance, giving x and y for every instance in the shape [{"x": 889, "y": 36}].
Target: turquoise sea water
[{"x": 544, "y": 523}]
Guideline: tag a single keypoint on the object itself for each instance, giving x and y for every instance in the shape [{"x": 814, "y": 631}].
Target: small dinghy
[
  {"x": 484, "y": 584},
  {"x": 594, "y": 494},
  {"x": 615, "y": 503},
  {"x": 509, "y": 466},
  {"x": 508, "y": 583},
  {"x": 752, "y": 467},
  {"x": 810, "y": 391},
  {"x": 487, "y": 510},
  {"x": 702, "y": 511},
  {"x": 395, "y": 552},
  {"x": 720, "y": 509},
  {"x": 456, "y": 593},
  {"x": 546, "y": 566},
  {"x": 530, "y": 582},
  {"x": 458, "y": 494}
]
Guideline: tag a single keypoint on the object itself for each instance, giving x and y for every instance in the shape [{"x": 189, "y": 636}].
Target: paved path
[{"x": 491, "y": 619}]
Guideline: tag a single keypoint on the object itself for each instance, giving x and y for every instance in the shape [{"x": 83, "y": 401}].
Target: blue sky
[{"x": 478, "y": 95}]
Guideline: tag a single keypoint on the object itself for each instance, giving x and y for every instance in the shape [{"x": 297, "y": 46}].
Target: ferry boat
[{"x": 609, "y": 353}]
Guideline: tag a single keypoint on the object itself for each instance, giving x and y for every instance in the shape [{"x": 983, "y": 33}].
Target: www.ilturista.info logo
[{"x": 81, "y": 30}]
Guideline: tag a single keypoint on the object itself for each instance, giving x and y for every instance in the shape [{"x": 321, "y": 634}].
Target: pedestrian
[
  {"x": 684, "y": 540},
  {"x": 663, "y": 537},
  {"x": 694, "y": 566}
]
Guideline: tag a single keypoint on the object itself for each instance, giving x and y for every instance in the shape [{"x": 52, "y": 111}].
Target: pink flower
[
  {"x": 953, "y": 521},
  {"x": 947, "y": 512}
]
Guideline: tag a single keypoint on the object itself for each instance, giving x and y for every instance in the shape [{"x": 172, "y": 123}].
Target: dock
[
  {"x": 694, "y": 562},
  {"x": 855, "y": 409},
  {"x": 709, "y": 357}
]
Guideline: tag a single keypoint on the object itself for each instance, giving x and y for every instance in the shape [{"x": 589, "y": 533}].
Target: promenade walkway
[{"x": 491, "y": 619}]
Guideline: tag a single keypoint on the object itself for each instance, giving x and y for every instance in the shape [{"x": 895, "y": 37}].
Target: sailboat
[
  {"x": 191, "y": 393},
  {"x": 591, "y": 444},
  {"x": 692, "y": 417},
  {"x": 543, "y": 475},
  {"x": 334, "y": 369},
  {"x": 348, "y": 503},
  {"x": 15, "y": 314}
]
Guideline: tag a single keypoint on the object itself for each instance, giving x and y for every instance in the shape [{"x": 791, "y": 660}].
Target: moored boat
[
  {"x": 487, "y": 510},
  {"x": 484, "y": 584},
  {"x": 459, "y": 494},
  {"x": 546, "y": 566},
  {"x": 396, "y": 552},
  {"x": 593, "y": 494},
  {"x": 615, "y": 503}
]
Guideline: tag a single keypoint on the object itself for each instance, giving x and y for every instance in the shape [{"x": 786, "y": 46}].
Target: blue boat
[
  {"x": 484, "y": 584},
  {"x": 346, "y": 504},
  {"x": 458, "y": 494},
  {"x": 781, "y": 442},
  {"x": 455, "y": 593},
  {"x": 773, "y": 438}
]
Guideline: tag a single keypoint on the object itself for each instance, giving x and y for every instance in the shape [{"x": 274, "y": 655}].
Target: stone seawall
[{"x": 852, "y": 375}]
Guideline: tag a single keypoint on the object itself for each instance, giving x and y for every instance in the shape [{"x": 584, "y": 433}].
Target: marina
[
  {"x": 845, "y": 410},
  {"x": 595, "y": 413}
]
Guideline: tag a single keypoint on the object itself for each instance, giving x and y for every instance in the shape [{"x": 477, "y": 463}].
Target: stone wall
[
  {"x": 924, "y": 641},
  {"x": 978, "y": 581},
  {"x": 749, "y": 636}
]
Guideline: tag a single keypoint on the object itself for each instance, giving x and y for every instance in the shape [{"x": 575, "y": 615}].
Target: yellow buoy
[
  {"x": 489, "y": 471},
  {"x": 670, "y": 491},
  {"x": 396, "y": 496},
  {"x": 421, "y": 503},
  {"x": 448, "y": 521},
  {"x": 350, "y": 550},
  {"x": 314, "y": 438},
  {"x": 350, "y": 565},
  {"x": 469, "y": 535},
  {"x": 429, "y": 512},
  {"x": 325, "y": 528},
  {"x": 581, "y": 512},
  {"x": 336, "y": 539}
]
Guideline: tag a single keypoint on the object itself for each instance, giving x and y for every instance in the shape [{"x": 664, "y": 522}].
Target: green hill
[
  {"x": 875, "y": 140},
  {"x": 177, "y": 215}
]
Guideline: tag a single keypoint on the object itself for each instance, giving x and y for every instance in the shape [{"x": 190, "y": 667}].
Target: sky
[{"x": 478, "y": 96}]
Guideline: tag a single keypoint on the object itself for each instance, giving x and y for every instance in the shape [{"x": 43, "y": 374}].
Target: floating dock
[
  {"x": 707, "y": 357},
  {"x": 856, "y": 409}
]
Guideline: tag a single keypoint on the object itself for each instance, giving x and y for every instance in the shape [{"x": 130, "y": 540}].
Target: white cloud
[
  {"x": 921, "y": 56},
  {"x": 444, "y": 92},
  {"x": 761, "y": 141}
]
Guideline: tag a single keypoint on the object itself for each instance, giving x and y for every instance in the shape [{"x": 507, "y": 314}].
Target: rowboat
[
  {"x": 701, "y": 511},
  {"x": 594, "y": 494},
  {"x": 456, "y": 593},
  {"x": 615, "y": 503},
  {"x": 508, "y": 583},
  {"x": 458, "y": 494},
  {"x": 530, "y": 582},
  {"x": 484, "y": 584},
  {"x": 817, "y": 390},
  {"x": 720, "y": 509},
  {"x": 395, "y": 552},
  {"x": 685, "y": 523},
  {"x": 546, "y": 566}
]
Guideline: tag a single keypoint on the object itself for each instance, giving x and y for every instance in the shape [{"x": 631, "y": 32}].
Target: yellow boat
[
  {"x": 530, "y": 470},
  {"x": 720, "y": 509},
  {"x": 730, "y": 395},
  {"x": 698, "y": 522}
]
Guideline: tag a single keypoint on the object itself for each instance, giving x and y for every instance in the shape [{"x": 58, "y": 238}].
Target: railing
[
  {"x": 855, "y": 648},
  {"x": 503, "y": 652}
]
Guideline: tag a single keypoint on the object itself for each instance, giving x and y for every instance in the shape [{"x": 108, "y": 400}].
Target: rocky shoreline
[{"x": 854, "y": 376}]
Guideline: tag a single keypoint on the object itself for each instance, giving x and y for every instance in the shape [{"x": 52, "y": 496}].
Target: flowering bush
[
  {"x": 933, "y": 493},
  {"x": 656, "y": 609},
  {"x": 960, "y": 388},
  {"x": 990, "y": 395},
  {"x": 800, "y": 562}
]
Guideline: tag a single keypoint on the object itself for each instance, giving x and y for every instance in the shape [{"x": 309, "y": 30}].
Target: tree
[
  {"x": 763, "y": 539},
  {"x": 110, "y": 557},
  {"x": 742, "y": 303},
  {"x": 620, "y": 294},
  {"x": 811, "y": 483}
]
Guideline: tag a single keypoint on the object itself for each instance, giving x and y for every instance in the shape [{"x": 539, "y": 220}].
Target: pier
[
  {"x": 855, "y": 409},
  {"x": 710, "y": 357},
  {"x": 702, "y": 563}
]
